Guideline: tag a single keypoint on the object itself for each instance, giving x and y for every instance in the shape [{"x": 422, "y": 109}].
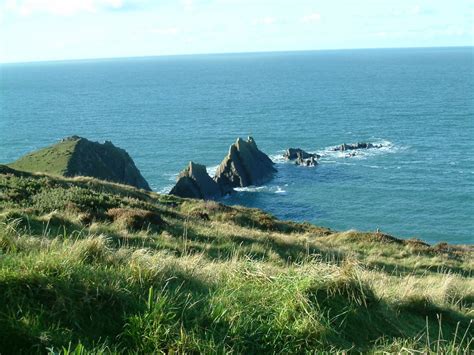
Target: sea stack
[
  {"x": 77, "y": 156},
  {"x": 244, "y": 165},
  {"x": 194, "y": 182}
]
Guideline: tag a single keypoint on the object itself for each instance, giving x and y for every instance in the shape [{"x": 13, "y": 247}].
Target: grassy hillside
[
  {"x": 52, "y": 160},
  {"x": 88, "y": 266},
  {"x": 77, "y": 156}
]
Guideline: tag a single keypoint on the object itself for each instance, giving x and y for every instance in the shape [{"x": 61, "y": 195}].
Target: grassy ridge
[{"x": 89, "y": 266}]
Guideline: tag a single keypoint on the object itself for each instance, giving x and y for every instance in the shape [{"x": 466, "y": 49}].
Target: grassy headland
[{"x": 91, "y": 266}]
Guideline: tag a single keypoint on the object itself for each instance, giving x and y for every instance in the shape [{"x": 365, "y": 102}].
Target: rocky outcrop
[
  {"x": 194, "y": 182},
  {"x": 361, "y": 145},
  {"x": 244, "y": 165},
  {"x": 311, "y": 161},
  {"x": 77, "y": 156},
  {"x": 296, "y": 153},
  {"x": 106, "y": 162}
]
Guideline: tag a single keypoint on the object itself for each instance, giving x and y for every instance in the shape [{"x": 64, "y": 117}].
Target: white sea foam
[
  {"x": 251, "y": 188},
  {"x": 166, "y": 189},
  {"x": 387, "y": 147},
  {"x": 278, "y": 157},
  {"x": 279, "y": 190},
  {"x": 212, "y": 170},
  {"x": 265, "y": 188}
]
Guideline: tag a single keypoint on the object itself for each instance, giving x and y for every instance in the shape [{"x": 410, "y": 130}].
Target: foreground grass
[{"x": 87, "y": 266}]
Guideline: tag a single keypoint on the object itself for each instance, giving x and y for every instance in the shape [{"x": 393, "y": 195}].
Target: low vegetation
[{"x": 94, "y": 267}]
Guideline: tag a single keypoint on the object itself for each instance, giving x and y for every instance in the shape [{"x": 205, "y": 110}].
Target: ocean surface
[{"x": 165, "y": 111}]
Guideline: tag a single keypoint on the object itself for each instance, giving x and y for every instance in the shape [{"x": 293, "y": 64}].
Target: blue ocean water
[{"x": 166, "y": 111}]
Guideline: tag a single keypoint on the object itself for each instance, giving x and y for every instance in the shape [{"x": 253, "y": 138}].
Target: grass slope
[
  {"x": 95, "y": 267},
  {"x": 76, "y": 156},
  {"x": 52, "y": 160}
]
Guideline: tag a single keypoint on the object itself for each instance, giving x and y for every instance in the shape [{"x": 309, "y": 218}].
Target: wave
[
  {"x": 278, "y": 157},
  {"x": 264, "y": 188}
]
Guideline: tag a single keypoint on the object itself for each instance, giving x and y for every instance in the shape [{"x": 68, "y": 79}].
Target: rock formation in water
[
  {"x": 244, "y": 165},
  {"x": 311, "y": 161},
  {"x": 195, "y": 182},
  {"x": 295, "y": 153},
  {"x": 76, "y": 156},
  {"x": 361, "y": 145}
]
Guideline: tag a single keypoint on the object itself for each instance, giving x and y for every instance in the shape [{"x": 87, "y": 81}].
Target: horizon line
[{"x": 224, "y": 53}]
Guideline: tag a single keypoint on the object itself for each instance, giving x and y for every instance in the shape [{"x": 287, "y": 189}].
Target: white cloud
[
  {"x": 169, "y": 31},
  {"x": 266, "y": 21},
  {"x": 59, "y": 7},
  {"x": 313, "y": 17}
]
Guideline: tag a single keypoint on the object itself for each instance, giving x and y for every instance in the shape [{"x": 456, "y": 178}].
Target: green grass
[
  {"x": 51, "y": 160},
  {"x": 94, "y": 267}
]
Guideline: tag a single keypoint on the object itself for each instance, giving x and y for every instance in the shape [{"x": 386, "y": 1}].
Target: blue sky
[{"x": 34, "y": 30}]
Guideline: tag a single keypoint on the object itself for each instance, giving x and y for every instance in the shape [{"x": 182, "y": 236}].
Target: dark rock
[
  {"x": 105, "y": 162},
  {"x": 195, "y": 182},
  {"x": 293, "y": 153},
  {"x": 360, "y": 145},
  {"x": 305, "y": 162},
  {"x": 244, "y": 165}
]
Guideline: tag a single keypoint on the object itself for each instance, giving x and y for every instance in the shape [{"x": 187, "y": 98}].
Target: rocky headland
[{"x": 77, "y": 156}]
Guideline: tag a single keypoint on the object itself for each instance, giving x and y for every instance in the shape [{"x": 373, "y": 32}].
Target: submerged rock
[
  {"x": 195, "y": 182},
  {"x": 360, "y": 145},
  {"x": 244, "y": 165},
  {"x": 295, "y": 153},
  {"x": 77, "y": 156}
]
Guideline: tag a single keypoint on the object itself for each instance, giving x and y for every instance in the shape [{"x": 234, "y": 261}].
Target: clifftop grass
[
  {"x": 52, "y": 160},
  {"x": 91, "y": 266}
]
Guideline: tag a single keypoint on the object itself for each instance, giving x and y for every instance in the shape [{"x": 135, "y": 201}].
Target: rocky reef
[
  {"x": 195, "y": 182},
  {"x": 77, "y": 156},
  {"x": 301, "y": 157},
  {"x": 298, "y": 153},
  {"x": 244, "y": 165},
  {"x": 311, "y": 161},
  {"x": 360, "y": 145}
]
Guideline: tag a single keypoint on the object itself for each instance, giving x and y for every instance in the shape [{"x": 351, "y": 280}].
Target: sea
[{"x": 418, "y": 103}]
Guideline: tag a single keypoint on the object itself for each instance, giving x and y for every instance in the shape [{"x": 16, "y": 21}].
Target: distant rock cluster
[
  {"x": 360, "y": 145},
  {"x": 301, "y": 157},
  {"x": 244, "y": 165}
]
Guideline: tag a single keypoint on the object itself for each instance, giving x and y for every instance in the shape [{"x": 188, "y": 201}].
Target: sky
[{"x": 38, "y": 30}]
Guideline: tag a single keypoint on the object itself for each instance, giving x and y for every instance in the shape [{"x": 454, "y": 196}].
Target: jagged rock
[
  {"x": 305, "y": 162},
  {"x": 360, "y": 145},
  {"x": 244, "y": 165},
  {"x": 294, "y": 153},
  {"x": 194, "y": 182},
  {"x": 77, "y": 156}
]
